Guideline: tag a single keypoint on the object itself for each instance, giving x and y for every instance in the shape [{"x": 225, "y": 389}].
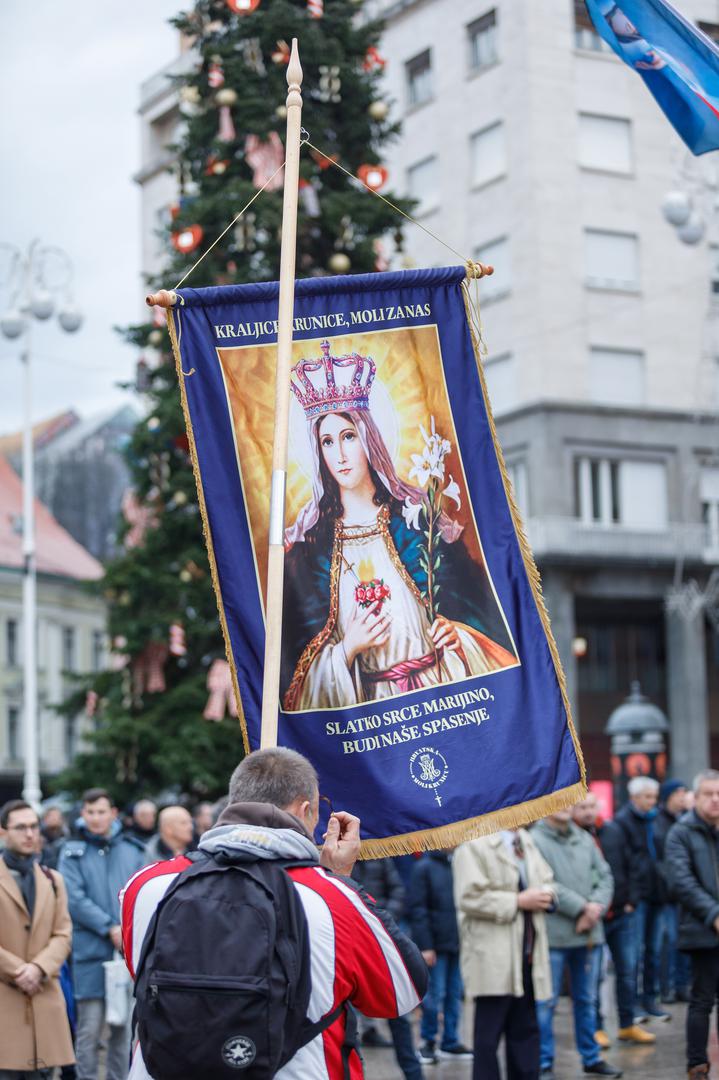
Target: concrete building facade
[{"x": 530, "y": 146}]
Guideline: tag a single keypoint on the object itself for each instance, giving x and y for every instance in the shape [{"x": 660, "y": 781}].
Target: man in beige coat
[
  {"x": 502, "y": 887},
  {"x": 35, "y": 938}
]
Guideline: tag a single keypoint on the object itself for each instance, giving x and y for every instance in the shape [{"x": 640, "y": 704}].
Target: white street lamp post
[{"x": 29, "y": 272}]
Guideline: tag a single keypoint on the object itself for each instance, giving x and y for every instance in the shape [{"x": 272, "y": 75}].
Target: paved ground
[{"x": 662, "y": 1061}]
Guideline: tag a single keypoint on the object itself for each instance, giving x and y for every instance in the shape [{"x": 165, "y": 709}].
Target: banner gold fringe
[
  {"x": 206, "y": 531},
  {"x": 448, "y": 836},
  {"x": 457, "y": 833}
]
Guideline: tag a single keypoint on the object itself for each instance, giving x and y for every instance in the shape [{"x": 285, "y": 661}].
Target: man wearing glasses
[{"x": 35, "y": 937}]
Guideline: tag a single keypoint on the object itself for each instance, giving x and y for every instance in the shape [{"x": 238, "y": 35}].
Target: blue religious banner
[
  {"x": 418, "y": 669},
  {"x": 678, "y": 63}
]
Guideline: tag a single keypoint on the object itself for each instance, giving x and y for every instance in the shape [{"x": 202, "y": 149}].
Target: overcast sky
[{"x": 71, "y": 74}]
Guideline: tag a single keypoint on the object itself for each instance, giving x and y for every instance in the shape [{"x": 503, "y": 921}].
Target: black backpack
[{"x": 223, "y": 983}]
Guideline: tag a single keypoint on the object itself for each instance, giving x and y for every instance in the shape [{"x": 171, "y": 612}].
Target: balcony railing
[{"x": 572, "y": 539}]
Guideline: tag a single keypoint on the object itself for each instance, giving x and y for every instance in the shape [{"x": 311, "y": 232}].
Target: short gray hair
[
  {"x": 275, "y": 775},
  {"x": 639, "y": 784},
  {"x": 705, "y": 774}
]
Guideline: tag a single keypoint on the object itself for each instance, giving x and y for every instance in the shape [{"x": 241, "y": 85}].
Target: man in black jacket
[
  {"x": 433, "y": 920},
  {"x": 692, "y": 864},
  {"x": 636, "y": 821}
]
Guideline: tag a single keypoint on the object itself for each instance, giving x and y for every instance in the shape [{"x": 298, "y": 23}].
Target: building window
[
  {"x": 709, "y": 496},
  {"x": 482, "y": 37},
  {"x": 585, "y": 35},
  {"x": 500, "y": 373},
  {"x": 605, "y": 142},
  {"x": 68, "y": 648},
  {"x": 418, "y": 74},
  {"x": 13, "y": 732},
  {"x": 488, "y": 154},
  {"x": 517, "y": 472},
  {"x": 495, "y": 254},
  {"x": 11, "y": 643},
  {"x": 629, "y": 493},
  {"x": 98, "y": 650},
  {"x": 611, "y": 260},
  {"x": 616, "y": 376},
  {"x": 423, "y": 184},
  {"x": 619, "y": 652},
  {"x": 714, "y": 272}
]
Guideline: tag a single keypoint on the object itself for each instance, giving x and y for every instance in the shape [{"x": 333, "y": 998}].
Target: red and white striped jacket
[{"x": 357, "y": 953}]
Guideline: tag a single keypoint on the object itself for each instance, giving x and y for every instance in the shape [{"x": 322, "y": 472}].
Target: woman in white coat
[{"x": 502, "y": 888}]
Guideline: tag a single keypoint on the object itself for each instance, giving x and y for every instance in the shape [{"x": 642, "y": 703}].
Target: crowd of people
[{"x": 508, "y": 922}]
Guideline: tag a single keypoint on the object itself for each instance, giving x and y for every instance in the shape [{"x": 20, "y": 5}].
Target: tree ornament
[
  {"x": 323, "y": 160},
  {"x": 142, "y": 376},
  {"x": 177, "y": 644},
  {"x": 252, "y": 55},
  {"x": 140, "y": 517},
  {"x": 243, "y": 7},
  {"x": 215, "y": 74},
  {"x": 222, "y": 695},
  {"x": 281, "y": 112},
  {"x": 346, "y": 238},
  {"x": 245, "y": 233},
  {"x": 185, "y": 577},
  {"x": 315, "y": 8},
  {"x": 179, "y": 498},
  {"x": 226, "y": 96},
  {"x": 155, "y": 338},
  {"x": 216, "y": 166},
  {"x": 381, "y": 262},
  {"x": 265, "y": 158},
  {"x": 340, "y": 263},
  {"x": 190, "y": 101},
  {"x": 281, "y": 54},
  {"x": 309, "y": 198},
  {"x": 378, "y": 110},
  {"x": 373, "y": 61},
  {"x": 187, "y": 240},
  {"x": 330, "y": 83},
  {"x": 374, "y": 176},
  {"x": 148, "y": 670},
  {"x": 182, "y": 443},
  {"x": 153, "y": 423},
  {"x": 91, "y": 700}
]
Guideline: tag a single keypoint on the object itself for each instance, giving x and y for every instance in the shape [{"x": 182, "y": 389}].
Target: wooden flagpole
[{"x": 276, "y": 560}]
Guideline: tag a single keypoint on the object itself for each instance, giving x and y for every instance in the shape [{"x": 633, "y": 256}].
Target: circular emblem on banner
[
  {"x": 428, "y": 767},
  {"x": 238, "y": 1052}
]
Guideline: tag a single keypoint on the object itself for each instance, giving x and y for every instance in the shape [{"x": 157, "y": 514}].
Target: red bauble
[
  {"x": 243, "y": 7},
  {"x": 373, "y": 60},
  {"x": 374, "y": 176},
  {"x": 188, "y": 239}
]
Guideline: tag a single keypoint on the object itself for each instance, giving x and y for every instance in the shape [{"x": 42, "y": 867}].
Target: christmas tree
[{"x": 168, "y": 656}]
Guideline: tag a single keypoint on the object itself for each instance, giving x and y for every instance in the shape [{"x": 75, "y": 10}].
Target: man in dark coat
[
  {"x": 433, "y": 919},
  {"x": 636, "y": 821},
  {"x": 692, "y": 866},
  {"x": 379, "y": 878}
]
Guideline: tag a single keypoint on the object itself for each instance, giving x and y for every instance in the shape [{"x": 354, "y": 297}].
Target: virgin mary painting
[{"x": 360, "y": 623}]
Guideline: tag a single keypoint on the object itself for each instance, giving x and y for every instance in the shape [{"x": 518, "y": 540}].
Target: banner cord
[{"x": 475, "y": 269}]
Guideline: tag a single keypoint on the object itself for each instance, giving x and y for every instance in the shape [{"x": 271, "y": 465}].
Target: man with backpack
[{"x": 247, "y": 954}]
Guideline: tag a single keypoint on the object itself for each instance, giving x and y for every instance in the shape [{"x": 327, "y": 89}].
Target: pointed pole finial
[{"x": 294, "y": 76}]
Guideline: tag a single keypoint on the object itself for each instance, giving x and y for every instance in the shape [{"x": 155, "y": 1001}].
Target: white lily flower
[
  {"x": 452, "y": 491},
  {"x": 421, "y": 469},
  {"x": 410, "y": 513}
]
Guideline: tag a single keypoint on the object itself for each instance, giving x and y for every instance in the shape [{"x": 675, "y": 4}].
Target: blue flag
[
  {"x": 418, "y": 670},
  {"x": 678, "y": 63}
]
